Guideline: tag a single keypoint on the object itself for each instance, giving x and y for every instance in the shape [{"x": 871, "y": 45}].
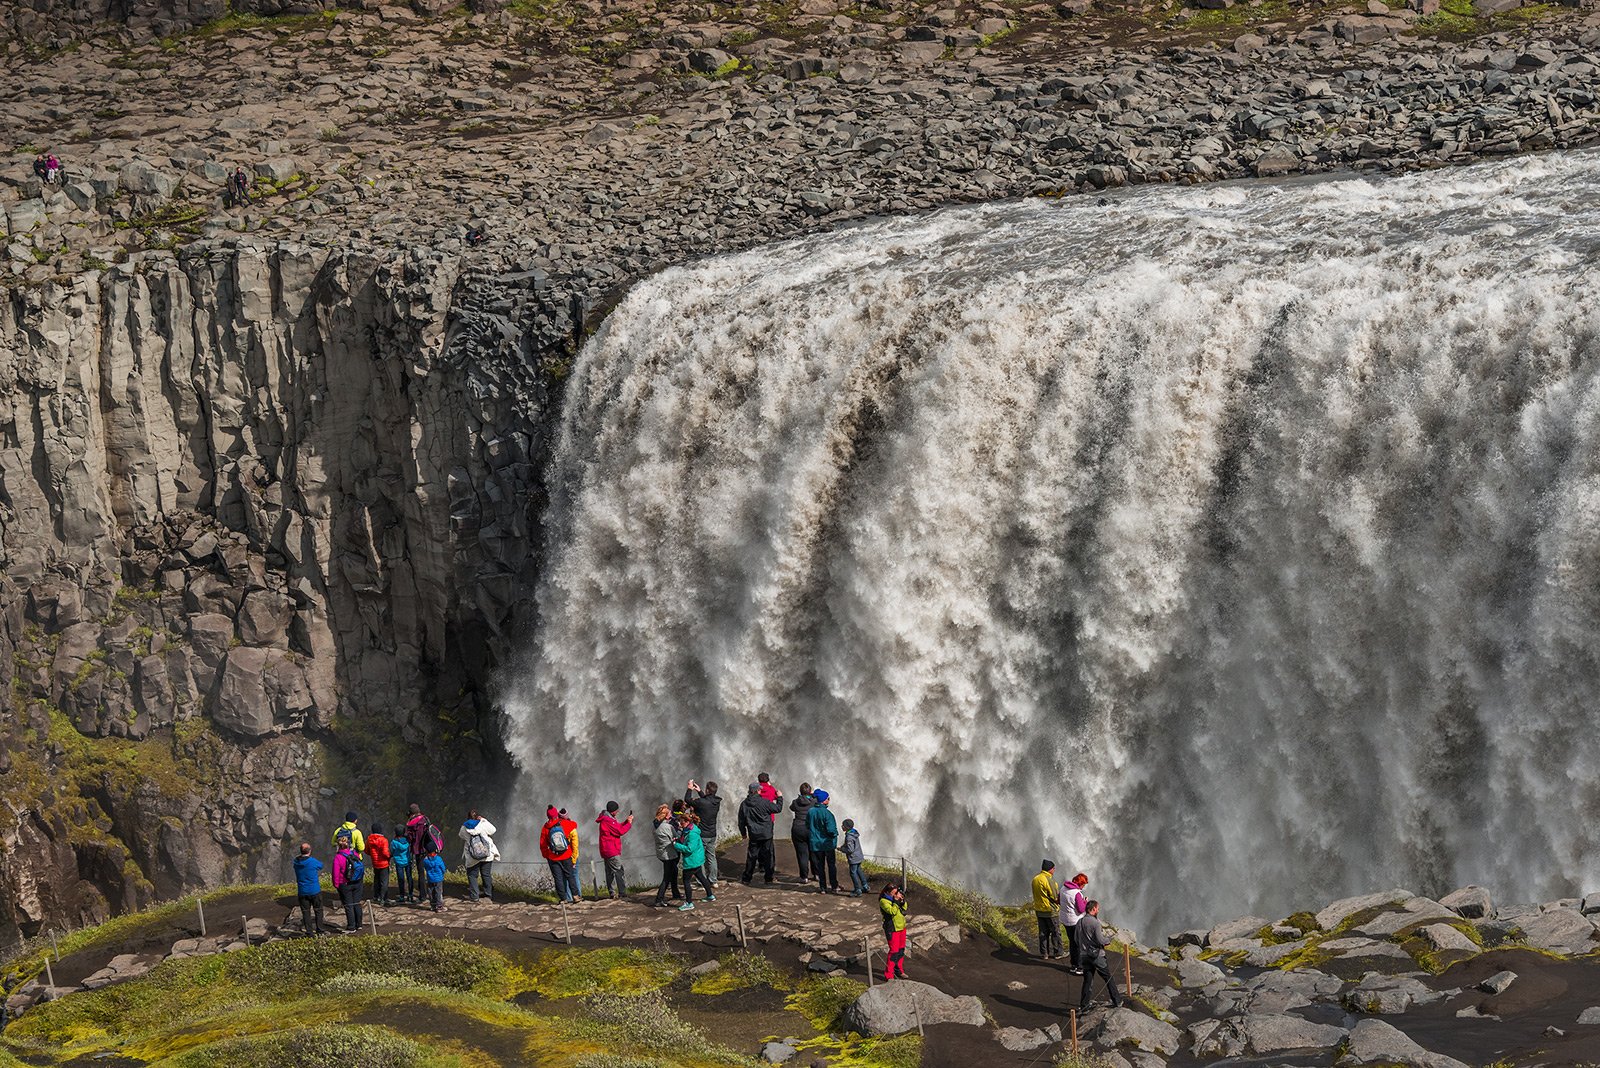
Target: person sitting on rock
[
  {"x": 41, "y": 168},
  {"x": 892, "y": 904},
  {"x": 1092, "y": 953},
  {"x": 1047, "y": 907},
  {"x": 52, "y": 170},
  {"x": 475, "y": 236}
]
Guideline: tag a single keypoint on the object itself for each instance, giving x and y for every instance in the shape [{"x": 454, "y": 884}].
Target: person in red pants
[{"x": 892, "y": 903}]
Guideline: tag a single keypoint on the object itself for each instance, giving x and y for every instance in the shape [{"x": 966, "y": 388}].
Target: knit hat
[
  {"x": 350, "y": 817},
  {"x": 612, "y": 806},
  {"x": 755, "y": 788},
  {"x": 550, "y": 813},
  {"x": 821, "y": 796},
  {"x": 1048, "y": 865}
]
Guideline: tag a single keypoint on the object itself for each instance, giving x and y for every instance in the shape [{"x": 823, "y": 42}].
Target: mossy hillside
[
  {"x": 567, "y": 972},
  {"x": 313, "y": 1047}
]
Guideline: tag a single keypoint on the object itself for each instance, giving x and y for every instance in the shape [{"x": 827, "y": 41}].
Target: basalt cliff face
[{"x": 267, "y": 518}]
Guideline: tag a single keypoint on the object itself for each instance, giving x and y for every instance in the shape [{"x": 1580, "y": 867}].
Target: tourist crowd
[{"x": 684, "y": 837}]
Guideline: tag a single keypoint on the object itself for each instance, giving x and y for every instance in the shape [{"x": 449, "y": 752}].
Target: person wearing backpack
[
  {"x": 1073, "y": 907},
  {"x": 348, "y": 873},
  {"x": 308, "y": 884},
  {"x": 854, "y": 856},
  {"x": 611, "y": 832},
  {"x": 479, "y": 853},
  {"x": 433, "y": 868},
  {"x": 557, "y": 842},
  {"x": 824, "y": 843},
  {"x": 379, "y": 853},
  {"x": 425, "y": 841},
  {"x": 348, "y": 831},
  {"x": 400, "y": 861}
]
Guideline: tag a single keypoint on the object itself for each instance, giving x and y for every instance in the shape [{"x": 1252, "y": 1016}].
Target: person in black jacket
[
  {"x": 755, "y": 825},
  {"x": 706, "y": 805},
  {"x": 800, "y": 831}
]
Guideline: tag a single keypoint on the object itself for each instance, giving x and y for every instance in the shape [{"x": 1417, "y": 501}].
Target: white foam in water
[{"x": 1239, "y": 545}]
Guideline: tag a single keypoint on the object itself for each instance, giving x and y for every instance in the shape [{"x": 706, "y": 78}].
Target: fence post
[
  {"x": 918, "y": 1010},
  {"x": 566, "y": 919},
  {"x": 738, "y": 911},
  {"x": 200, "y": 907},
  {"x": 244, "y": 923},
  {"x": 594, "y": 879},
  {"x": 902, "y": 875},
  {"x": 1127, "y": 969},
  {"x": 866, "y": 950},
  {"x": 1072, "y": 1017},
  {"x": 55, "y": 946},
  {"x": 372, "y": 914},
  {"x": 50, "y": 974}
]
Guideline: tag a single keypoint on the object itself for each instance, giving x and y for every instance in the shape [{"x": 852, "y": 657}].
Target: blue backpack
[{"x": 354, "y": 870}]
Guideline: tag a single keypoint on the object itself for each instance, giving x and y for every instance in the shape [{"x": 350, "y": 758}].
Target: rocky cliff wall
[
  {"x": 267, "y": 518},
  {"x": 44, "y": 20}
]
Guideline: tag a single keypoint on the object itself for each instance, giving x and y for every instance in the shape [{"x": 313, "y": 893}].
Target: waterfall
[{"x": 1236, "y": 544}]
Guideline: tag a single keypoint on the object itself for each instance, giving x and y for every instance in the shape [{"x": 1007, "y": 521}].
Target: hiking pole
[
  {"x": 866, "y": 949},
  {"x": 200, "y": 907},
  {"x": 738, "y": 911}
]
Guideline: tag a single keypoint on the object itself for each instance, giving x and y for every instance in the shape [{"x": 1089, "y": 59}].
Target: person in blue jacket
[
  {"x": 308, "y": 883},
  {"x": 824, "y": 841}
]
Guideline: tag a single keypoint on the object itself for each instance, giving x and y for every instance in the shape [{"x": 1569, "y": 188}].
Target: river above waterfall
[{"x": 1235, "y": 544}]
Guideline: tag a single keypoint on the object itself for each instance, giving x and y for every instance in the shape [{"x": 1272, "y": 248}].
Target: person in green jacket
[
  {"x": 892, "y": 904},
  {"x": 824, "y": 841},
  {"x": 691, "y": 858},
  {"x": 348, "y": 830}
]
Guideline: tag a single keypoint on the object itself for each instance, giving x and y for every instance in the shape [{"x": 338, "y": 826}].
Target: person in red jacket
[
  {"x": 611, "y": 833},
  {"x": 378, "y": 851},
  {"x": 558, "y": 844}
]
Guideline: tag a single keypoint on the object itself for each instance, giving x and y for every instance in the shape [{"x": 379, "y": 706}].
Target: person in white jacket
[{"x": 479, "y": 852}]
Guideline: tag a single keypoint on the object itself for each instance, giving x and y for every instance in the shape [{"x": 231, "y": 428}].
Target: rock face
[
  {"x": 248, "y": 493},
  {"x": 894, "y": 1008}
]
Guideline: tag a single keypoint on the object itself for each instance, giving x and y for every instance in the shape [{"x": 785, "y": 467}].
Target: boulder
[
  {"x": 1591, "y": 903},
  {"x": 1022, "y": 1040},
  {"x": 778, "y": 1052},
  {"x": 264, "y": 617},
  {"x": 1267, "y": 1033},
  {"x": 894, "y": 1008},
  {"x": 1408, "y": 912},
  {"x": 24, "y": 216},
  {"x": 1126, "y": 1028},
  {"x": 1235, "y": 929},
  {"x": 1590, "y": 1016},
  {"x": 1498, "y": 983},
  {"x": 1196, "y": 973},
  {"x": 1333, "y": 915},
  {"x": 1387, "y": 995},
  {"x": 1469, "y": 902},
  {"x": 1442, "y": 936},
  {"x": 1559, "y": 930},
  {"x": 140, "y": 178},
  {"x": 1375, "y": 1042}
]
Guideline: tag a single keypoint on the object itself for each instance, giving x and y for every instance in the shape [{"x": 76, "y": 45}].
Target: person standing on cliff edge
[
  {"x": 1047, "y": 907},
  {"x": 1092, "y": 953}
]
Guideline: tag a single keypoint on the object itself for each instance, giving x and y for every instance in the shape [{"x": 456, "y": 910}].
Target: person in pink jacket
[{"x": 611, "y": 832}]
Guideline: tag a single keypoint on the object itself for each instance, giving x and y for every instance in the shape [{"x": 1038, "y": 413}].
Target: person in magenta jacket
[
  {"x": 349, "y": 888},
  {"x": 611, "y": 833}
]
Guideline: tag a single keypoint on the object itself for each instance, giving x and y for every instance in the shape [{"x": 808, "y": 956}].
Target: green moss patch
[
  {"x": 741, "y": 970},
  {"x": 566, "y": 972},
  {"x": 823, "y": 1001},
  {"x": 315, "y": 1047}
]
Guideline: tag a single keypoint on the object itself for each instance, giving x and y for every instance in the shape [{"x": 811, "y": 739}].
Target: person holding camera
[
  {"x": 611, "y": 832},
  {"x": 892, "y": 904},
  {"x": 706, "y": 805}
]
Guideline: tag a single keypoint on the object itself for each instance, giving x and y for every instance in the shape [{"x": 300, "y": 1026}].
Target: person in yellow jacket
[
  {"x": 1047, "y": 905},
  {"x": 348, "y": 829},
  {"x": 892, "y": 903}
]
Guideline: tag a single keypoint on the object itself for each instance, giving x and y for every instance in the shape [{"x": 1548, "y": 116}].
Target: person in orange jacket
[
  {"x": 378, "y": 851},
  {"x": 558, "y": 844}
]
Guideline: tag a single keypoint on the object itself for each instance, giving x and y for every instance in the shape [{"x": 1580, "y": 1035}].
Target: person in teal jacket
[
  {"x": 400, "y": 861},
  {"x": 691, "y": 858},
  {"x": 824, "y": 841}
]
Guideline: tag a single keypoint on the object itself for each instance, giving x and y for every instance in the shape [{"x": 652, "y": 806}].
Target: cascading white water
[{"x": 1237, "y": 544}]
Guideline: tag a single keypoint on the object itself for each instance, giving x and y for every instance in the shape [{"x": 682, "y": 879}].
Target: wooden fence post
[{"x": 200, "y": 907}]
